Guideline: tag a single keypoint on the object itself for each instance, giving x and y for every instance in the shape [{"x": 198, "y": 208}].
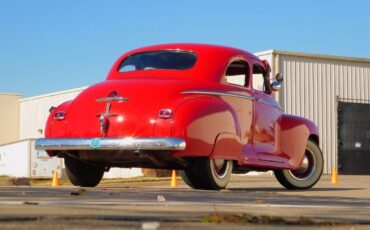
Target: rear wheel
[
  {"x": 83, "y": 174},
  {"x": 205, "y": 173},
  {"x": 307, "y": 174}
]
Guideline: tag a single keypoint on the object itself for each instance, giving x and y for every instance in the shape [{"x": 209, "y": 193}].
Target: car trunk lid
[{"x": 117, "y": 108}]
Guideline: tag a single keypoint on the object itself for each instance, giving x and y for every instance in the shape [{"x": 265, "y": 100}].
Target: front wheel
[
  {"x": 205, "y": 173},
  {"x": 308, "y": 174},
  {"x": 83, "y": 174}
]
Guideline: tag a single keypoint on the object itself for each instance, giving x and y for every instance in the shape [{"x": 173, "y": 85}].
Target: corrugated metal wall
[
  {"x": 123, "y": 173},
  {"x": 34, "y": 112},
  {"x": 311, "y": 87}
]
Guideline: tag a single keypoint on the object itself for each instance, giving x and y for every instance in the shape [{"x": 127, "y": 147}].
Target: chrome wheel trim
[
  {"x": 307, "y": 168},
  {"x": 219, "y": 167}
]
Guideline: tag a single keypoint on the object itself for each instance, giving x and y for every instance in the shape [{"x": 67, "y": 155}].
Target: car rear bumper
[{"x": 110, "y": 144}]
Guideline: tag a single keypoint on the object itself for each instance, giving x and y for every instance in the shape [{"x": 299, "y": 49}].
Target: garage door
[{"x": 353, "y": 138}]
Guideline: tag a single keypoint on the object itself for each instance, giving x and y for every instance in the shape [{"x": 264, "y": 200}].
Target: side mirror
[
  {"x": 275, "y": 86},
  {"x": 279, "y": 77}
]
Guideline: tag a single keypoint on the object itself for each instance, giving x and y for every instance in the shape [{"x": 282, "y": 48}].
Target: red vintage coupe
[{"x": 206, "y": 110}]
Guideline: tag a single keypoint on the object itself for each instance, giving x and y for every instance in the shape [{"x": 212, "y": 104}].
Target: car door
[
  {"x": 266, "y": 114},
  {"x": 237, "y": 79}
]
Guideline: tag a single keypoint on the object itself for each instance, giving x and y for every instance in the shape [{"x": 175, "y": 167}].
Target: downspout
[
  {"x": 276, "y": 69},
  {"x": 30, "y": 159}
]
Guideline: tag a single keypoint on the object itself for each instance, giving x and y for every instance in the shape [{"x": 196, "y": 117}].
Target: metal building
[
  {"x": 9, "y": 117},
  {"x": 314, "y": 86}
]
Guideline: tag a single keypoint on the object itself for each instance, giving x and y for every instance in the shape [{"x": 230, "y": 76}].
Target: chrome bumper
[{"x": 110, "y": 144}]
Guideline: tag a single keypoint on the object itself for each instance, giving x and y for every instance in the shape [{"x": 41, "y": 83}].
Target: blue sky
[{"x": 47, "y": 46}]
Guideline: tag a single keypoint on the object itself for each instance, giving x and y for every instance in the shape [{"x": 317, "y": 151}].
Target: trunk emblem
[{"x": 104, "y": 118}]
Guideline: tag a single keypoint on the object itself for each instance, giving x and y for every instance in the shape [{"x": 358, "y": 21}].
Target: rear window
[{"x": 168, "y": 59}]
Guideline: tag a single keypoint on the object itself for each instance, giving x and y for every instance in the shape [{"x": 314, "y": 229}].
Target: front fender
[
  {"x": 200, "y": 120},
  {"x": 295, "y": 132}
]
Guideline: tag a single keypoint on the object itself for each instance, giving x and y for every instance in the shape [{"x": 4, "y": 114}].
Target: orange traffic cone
[
  {"x": 55, "y": 182},
  {"x": 334, "y": 176},
  {"x": 173, "y": 179}
]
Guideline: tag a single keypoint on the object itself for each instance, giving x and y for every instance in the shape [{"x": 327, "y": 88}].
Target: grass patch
[
  {"x": 64, "y": 180},
  {"x": 5, "y": 177},
  {"x": 263, "y": 219},
  {"x": 135, "y": 179},
  {"x": 47, "y": 181}
]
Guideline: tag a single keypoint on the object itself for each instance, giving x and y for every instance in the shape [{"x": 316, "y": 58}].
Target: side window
[
  {"x": 260, "y": 82},
  {"x": 237, "y": 73}
]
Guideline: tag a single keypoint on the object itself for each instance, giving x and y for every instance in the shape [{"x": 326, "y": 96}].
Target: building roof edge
[{"x": 52, "y": 94}]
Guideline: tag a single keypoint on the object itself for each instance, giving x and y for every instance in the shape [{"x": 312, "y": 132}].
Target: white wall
[
  {"x": 14, "y": 159},
  {"x": 20, "y": 159}
]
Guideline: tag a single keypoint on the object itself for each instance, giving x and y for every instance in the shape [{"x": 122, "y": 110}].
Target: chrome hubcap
[{"x": 219, "y": 167}]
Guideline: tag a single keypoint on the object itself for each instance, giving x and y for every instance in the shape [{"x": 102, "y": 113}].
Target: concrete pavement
[{"x": 129, "y": 205}]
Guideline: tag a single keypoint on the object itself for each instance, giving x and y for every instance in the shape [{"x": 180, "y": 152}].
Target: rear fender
[
  {"x": 295, "y": 132},
  {"x": 56, "y": 128},
  {"x": 201, "y": 121}
]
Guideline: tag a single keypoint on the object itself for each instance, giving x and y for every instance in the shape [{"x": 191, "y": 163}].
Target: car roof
[
  {"x": 194, "y": 47},
  {"x": 212, "y": 60}
]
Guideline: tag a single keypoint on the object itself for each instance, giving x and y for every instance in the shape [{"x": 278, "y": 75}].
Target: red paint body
[{"x": 253, "y": 134}]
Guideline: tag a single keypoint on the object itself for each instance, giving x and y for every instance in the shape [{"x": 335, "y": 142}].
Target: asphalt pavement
[{"x": 256, "y": 202}]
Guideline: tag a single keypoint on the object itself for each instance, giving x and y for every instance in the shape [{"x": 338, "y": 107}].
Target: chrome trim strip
[
  {"x": 109, "y": 99},
  {"x": 219, "y": 93},
  {"x": 110, "y": 144},
  {"x": 270, "y": 104}
]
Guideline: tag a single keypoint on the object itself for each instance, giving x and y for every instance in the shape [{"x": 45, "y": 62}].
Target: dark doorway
[{"x": 353, "y": 138}]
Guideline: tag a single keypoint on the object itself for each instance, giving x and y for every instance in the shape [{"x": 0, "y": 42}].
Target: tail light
[
  {"x": 165, "y": 113},
  {"x": 60, "y": 115}
]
